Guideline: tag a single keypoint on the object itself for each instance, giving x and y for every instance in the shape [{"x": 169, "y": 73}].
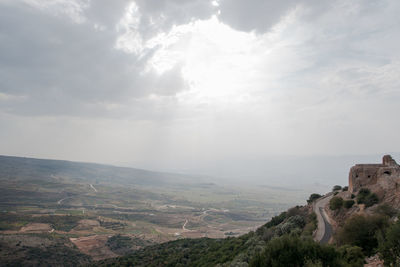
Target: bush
[
  {"x": 386, "y": 209},
  {"x": 294, "y": 251},
  {"x": 292, "y": 223},
  {"x": 371, "y": 200},
  {"x": 313, "y": 197},
  {"x": 276, "y": 220},
  {"x": 362, "y": 231},
  {"x": 336, "y": 188},
  {"x": 366, "y": 197},
  {"x": 336, "y": 203},
  {"x": 389, "y": 245},
  {"x": 297, "y": 210},
  {"x": 352, "y": 255},
  {"x": 348, "y": 204},
  {"x": 364, "y": 191},
  {"x": 346, "y": 188},
  {"x": 311, "y": 224}
]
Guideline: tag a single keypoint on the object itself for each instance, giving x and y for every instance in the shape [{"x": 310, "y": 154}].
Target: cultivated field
[{"x": 104, "y": 211}]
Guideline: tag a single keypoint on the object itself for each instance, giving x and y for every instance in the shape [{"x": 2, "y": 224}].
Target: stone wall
[{"x": 372, "y": 175}]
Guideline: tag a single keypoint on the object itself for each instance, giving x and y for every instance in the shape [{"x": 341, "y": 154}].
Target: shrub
[
  {"x": 386, "y": 209},
  {"x": 361, "y": 231},
  {"x": 294, "y": 222},
  {"x": 389, "y": 245},
  {"x": 371, "y": 200},
  {"x": 313, "y": 197},
  {"x": 311, "y": 224},
  {"x": 345, "y": 188},
  {"x": 276, "y": 220},
  {"x": 297, "y": 210},
  {"x": 294, "y": 251},
  {"x": 348, "y": 204},
  {"x": 352, "y": 255},
  {"x": 336, "y": 188},
  {"x": 336, "y": 203},
  {"x": 364, "y": 191},
  {"x": 353, "y": 196},
  {"x": 366, "y": 197}
]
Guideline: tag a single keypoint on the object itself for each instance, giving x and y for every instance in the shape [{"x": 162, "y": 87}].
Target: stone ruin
[{"x": 383, "y": 179}]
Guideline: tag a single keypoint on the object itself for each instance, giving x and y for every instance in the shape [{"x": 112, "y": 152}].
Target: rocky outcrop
[{"x": 382, "y": 179}]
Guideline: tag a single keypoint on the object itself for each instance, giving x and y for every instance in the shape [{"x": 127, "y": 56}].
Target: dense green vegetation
[
  {"x": 276, "y": 219},
  {"x": 363, "y": 231},
  {"x": 348, "y": 203},
  {"x": 40, "y": 250},
  {"x": 292, "y": 250},
  {"x": 186, "y": 252},
  {"x": 389, "y": 245},
  {"x": 366, "y": 197},
  {"x": 336, "y": 188},
  {"x": 121, "y": 245},
  {"x": 386, "y": 209},
  {"x": 335, "y": 203},
  {"x": 373, "y": 234},
  {"x": 313, "y": 197},
  {"x": 284, "y": 241}
]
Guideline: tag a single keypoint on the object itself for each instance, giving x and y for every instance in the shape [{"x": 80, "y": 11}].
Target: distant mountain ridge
[{"x": 46, "y": 168}]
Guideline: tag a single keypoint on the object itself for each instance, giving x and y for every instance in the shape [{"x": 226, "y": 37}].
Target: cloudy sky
[{"x": 195, "y": 84}]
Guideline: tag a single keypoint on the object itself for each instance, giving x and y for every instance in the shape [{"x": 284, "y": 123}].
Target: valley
[{"x": 103, "y": 211}]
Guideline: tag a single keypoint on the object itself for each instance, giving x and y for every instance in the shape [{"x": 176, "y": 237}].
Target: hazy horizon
[
  {"x": 253, "y": 91},
  {"x": 310, "y": 174}
]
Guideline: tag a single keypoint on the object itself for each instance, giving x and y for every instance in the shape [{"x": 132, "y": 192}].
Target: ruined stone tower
[{"x": 372, "y": 175}]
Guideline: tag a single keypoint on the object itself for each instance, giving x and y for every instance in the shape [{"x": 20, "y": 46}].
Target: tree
[
  {"x": 348, "y": 204},
  {"x": 276, "y": 220},
  {"x": 336, "y": 188},
  {"x": 352, "y": 255},
  {"x": 294, "y": 251},
  {"x": 362, "y": 231},
  {"x": 366, "y": 197},
  {"x": 386, "y": 209},
  {"x": 336, "y": 203},
  {"x": 313, "y": 197},
  {"x": 389, "y": 245}
]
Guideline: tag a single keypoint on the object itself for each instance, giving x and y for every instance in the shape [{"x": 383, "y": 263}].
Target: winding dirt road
[
  {"x": 95, "y": 190},
  {"x": 61, "y": 200}
]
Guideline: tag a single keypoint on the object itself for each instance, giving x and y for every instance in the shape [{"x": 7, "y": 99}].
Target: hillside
[
  {"x": 365, "y": 225},
  {"x": 286, "y": 240},
  {"x": 61, "y": 213},
  {"x": 92, "y": 212}
]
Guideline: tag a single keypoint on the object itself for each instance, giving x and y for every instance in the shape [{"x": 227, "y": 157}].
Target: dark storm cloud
[
  {"x": 255, "y": 15},
  {"x": 161, "y": 15},
  {"x": 105, "y": 12},
  {"x": 52, "y": 65},
  {"x": 102, "y": 80},
  {"x": 260, "y": 15},
  {"x": 63, "y": 60}
]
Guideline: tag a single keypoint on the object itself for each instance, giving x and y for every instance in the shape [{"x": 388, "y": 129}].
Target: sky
[{"x": 222, "y": 87}]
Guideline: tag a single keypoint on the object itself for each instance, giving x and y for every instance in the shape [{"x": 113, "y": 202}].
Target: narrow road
[
  {"x": 61, "y": 200},
  {"x": 95, "y": 190},
  {"x": 328, "y": 227},
  {"x": 324, "y": 230},
  {"x": 183, "y": 226}
]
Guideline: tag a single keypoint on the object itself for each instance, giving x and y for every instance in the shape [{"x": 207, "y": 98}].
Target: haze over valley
[{"x": 199, "y": 132}]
